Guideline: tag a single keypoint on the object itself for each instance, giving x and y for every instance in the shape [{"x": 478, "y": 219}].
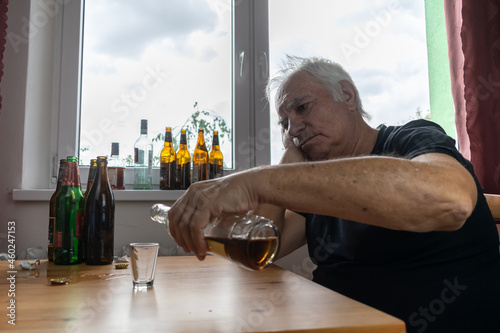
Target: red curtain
[
  {"x": 3, "y": 35},
  {"x": 473, "y": 28}
]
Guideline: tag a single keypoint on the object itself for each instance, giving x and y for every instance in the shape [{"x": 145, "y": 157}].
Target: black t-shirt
[{"x": 434, "y": 281}]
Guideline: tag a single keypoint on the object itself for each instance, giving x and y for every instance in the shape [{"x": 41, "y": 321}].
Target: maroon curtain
[
  {"x": 473, "y": 28},
  {"x": 3, "y": 35}
]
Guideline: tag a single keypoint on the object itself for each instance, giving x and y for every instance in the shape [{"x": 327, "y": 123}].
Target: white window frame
[{"x": 251, "y": 121}]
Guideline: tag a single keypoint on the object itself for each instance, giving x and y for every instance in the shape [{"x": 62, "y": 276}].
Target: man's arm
[{"x": 429, "y": 193}]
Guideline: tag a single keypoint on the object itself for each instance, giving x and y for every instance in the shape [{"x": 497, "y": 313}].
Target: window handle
[
  {"x": 263, "y": 64},
  {"x": 242, "y": 62}
]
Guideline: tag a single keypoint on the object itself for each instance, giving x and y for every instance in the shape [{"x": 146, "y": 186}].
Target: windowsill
[{"x": 120, "y": 195}]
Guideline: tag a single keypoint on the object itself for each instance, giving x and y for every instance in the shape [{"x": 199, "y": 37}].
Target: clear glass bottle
[
  {"x": 100, "y": 215},
  {"x": 250, "y": 241},
  {"x": 183, "y": 158},
  {"x": 70, "y": 204},
  {"x": 52, "y": 210},
  {"x": 168, "y": 168},
  {"x": 116, "y": 168},
  {"x": 200, "y": 158},
  {"x": 143, "y": 160},
  {"x": 215, "y": 159}
]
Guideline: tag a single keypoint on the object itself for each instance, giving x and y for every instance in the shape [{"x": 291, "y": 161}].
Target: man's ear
[{"x": 348, "y": 93}]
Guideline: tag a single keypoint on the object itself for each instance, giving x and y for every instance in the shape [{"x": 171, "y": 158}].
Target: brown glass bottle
[
  {"x": 168, "y": 168},
  {"x": 116, "y": 168},
  {"x": 70, "y": 203},
  {"x": 100, "y": 215},
  {"x": 200, "y": 159},
  {"x": 215, "y": 159},
  {"x": 90, "y": 180},
  {"x": 52, "y": 210},
  {"x": 183, "y": 158}
]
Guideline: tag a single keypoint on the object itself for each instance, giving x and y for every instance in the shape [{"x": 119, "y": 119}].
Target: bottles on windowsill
[
  {"x": 143, "y": 160},
  {"x": 116, "y": 168},
  {"x": 168, "y": 163}
]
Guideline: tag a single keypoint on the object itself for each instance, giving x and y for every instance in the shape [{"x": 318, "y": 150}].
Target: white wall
[{"x": 27, "y": 90}]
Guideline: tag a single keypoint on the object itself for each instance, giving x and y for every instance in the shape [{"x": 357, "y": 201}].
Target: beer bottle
[
  {"x": 116, "y": 168},
  {"x": 100, "y": 215},
  {"x": 200, "y": 159},
  {"x": 90, "y": 180},
  {"x": 68, "y": 239},
  {"x": 143, "y": 160},
  {"x": 215, "y": 159},
  {"x": 52, "y": 210},
  {"x": 183, "y": 175},
  {"x": 167, "y": 163}
]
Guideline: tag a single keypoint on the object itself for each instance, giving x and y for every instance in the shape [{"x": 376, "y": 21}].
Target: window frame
[{"x": 251, "y": 121}]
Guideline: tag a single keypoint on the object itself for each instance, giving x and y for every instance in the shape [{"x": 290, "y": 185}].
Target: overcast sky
[{"x": 155, "y": 58}]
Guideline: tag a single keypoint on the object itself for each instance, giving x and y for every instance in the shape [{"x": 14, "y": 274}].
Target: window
[
  {"x": 155, "y": 60},
  {"x": 217, "y": 61},
  {"x": 381, "y": 44}
]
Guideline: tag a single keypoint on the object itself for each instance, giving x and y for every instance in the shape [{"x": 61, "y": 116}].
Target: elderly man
[{"x": 393, "y": 217}]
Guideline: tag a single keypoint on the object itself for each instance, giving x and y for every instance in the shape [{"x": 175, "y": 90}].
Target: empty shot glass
[{"x": 143, "y": 257}]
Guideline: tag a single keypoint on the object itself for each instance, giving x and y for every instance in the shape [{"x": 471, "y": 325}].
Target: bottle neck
[{"x": 71, "y": 175}]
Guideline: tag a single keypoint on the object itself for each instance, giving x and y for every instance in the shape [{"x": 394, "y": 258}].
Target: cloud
[{"x": 132, "y": 27}]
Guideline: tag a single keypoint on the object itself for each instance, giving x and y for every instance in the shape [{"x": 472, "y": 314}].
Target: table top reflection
[{"x": 188, "y": 296}]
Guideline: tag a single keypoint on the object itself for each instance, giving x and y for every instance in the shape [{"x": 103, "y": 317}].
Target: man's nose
[{"x": 295, "y": 126}]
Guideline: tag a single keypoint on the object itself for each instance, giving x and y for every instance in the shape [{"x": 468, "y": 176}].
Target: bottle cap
[
  {"x": 115, "y": 148},
  {"x": 144, "y": 126}
]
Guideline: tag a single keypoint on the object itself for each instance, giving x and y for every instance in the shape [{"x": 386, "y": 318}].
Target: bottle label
[
  {"x": 52, "y": 222},
  {"x": 58, "y": 239}
]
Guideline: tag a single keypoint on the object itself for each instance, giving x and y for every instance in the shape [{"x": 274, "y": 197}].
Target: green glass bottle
[
  {"x": 100, "y": 215},
  {"x": 70, "y": 203}
]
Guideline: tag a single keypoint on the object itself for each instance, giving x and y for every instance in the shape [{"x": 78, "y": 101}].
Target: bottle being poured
[{"x": 250, "y": 241}]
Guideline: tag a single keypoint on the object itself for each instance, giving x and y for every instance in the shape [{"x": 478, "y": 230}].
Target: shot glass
[{"x": 143, "y": 256}]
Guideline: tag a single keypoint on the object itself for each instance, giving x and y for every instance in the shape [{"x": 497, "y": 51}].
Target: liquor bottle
[
  {"x": 68, "y": 239},
  {"x": 200, "y": 159},
  {"x": 215, "y": 159},
  {"x": 250, "y": 241},
  {"x": 183, "y": 158},
  {"x": 52, "y": 210},
  {"x": 116, "y": 168},
  {"x": 90, "y": 180},
  {"x": 167, "y": 163},
  {"x": 143, "y": 160},
  {"x": 100, "y": 215}
]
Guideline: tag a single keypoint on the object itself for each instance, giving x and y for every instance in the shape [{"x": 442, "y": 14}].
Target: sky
[{"x": 158, "y": 59}]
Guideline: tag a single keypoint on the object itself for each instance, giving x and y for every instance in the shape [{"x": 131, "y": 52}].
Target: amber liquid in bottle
[
  {"x": 100, "y": 215},
  {"x": 183, "y": 158},
  {"x": 52, "y": 210},
  {"x": 215, "y": 159},
  {"x": 252, "y": 253},
  {"x": 70, "y": 203},
  {"x": 200, "y": 159},
  {"x": 168, "y": 167}
]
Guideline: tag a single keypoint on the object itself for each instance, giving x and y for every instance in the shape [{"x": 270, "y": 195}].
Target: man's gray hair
[{"x": 326, "y": 71}]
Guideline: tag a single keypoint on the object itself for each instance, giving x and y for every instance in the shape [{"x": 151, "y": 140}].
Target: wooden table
[{"x": 188, "y": 296}]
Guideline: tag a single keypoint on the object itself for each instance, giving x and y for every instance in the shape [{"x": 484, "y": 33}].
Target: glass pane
[
  {"x": 382, "y": 44},
  {"x": 165, "y": 61}
]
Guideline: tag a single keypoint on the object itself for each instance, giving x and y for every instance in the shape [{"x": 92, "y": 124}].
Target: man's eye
[
  {"x": 283, "y": 123},
  {"x": 302, "y": 107}
]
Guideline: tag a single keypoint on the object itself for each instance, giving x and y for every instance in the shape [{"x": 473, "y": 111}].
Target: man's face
[{"x": 320, "y": 126}]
